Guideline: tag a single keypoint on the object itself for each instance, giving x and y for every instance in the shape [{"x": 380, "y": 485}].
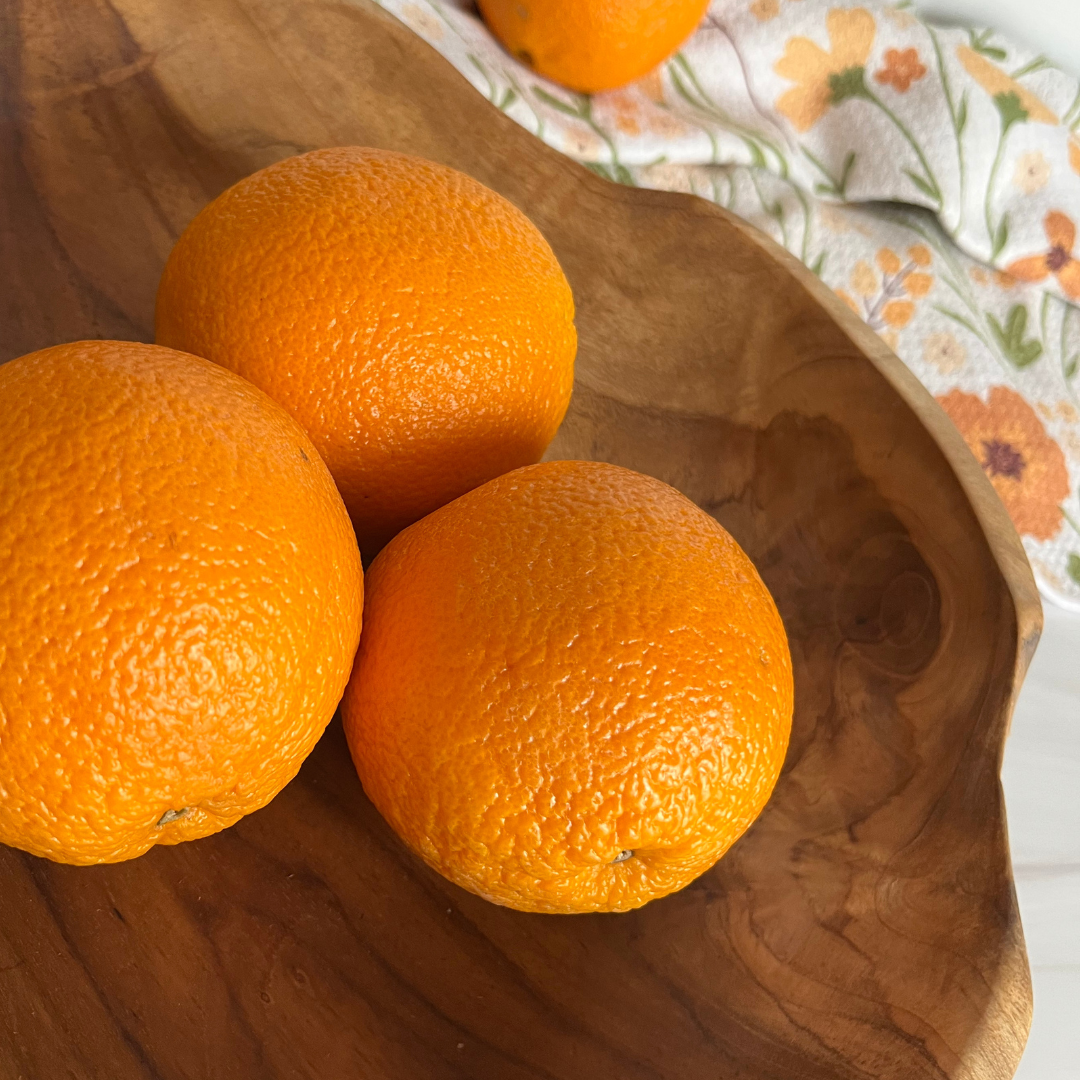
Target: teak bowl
[{"x": 866, "y": 926}]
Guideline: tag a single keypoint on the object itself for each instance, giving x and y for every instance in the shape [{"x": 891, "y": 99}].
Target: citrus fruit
[
  {"x": 414, "y": 322},
  {"x": 573, "y": 691},
  {"x": 180, "y": 599},
  {"x": 592, "y": 45}
]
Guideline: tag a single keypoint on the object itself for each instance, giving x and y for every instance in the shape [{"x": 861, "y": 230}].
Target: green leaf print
[
  {"x": 961, "y": 114},
  {"x": 555, "y": 103},
  {"x": 849, "y": 83},
  {"x": 1074, "y": 568},
  {"x": 1012, "y": 112},
  {"x": 1001, "y": 236},
  {"x": 921, "y": 184},
  {"x": 1011, "y": 337},
  {"x": 979, "y": 42},
  {"x": 1038, "y": 64},
  {"x": 835, "y": 187},
  {"x": 1071, "y": 365}
]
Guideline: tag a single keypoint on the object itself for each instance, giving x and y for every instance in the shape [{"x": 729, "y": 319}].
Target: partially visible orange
[
  {"x": 180, "y": 599},
  {"x": 414, "y": 322},
  {"x": 573, "y": 691},
  {"x": 592, "y": 45}
]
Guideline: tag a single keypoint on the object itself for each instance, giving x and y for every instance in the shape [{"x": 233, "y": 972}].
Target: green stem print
[
  {"x": 689, "y": 88},
  {"x": 927, "y": 184},
  {"x": 582, "y": 111},
  {"x": 980, "y": 42},
  {"x": 958, "y": 115},
  {"x": 1072, "y": 114},
  {"x": 1030, "y": 68},
  {"x": 804, "y": 254},
  {"x": 1068, "y": 363},
  {"x": 522, "y": 96},
  {"x": 504, "y": 98},
  {"x": 1076, "y": 529},
  {"x": 851, "y": 83},
  {"x": 1012, "y": 112},
  {"x": 774, "y": 209},
  {"x": 834, "y": 186}
]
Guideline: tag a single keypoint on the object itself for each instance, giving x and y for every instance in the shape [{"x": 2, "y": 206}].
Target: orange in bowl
[
  {"x": 180, "y": 599},
  {"x": 573, "y": 691},
  {"x": 415, "y": 323}
]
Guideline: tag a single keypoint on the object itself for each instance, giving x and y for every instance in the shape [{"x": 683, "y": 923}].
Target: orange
[
  {"x": 573, "y": 691},
  {"x": 592, "y": 45},
  {"x": 180, "y": 599},
  {"x": 414, "y": 322}
]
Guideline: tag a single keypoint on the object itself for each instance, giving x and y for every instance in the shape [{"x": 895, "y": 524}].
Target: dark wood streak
[{"x": 866, "y": 926}]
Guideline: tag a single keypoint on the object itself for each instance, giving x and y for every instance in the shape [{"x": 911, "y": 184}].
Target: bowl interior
[{"x": 866, "y": 926}]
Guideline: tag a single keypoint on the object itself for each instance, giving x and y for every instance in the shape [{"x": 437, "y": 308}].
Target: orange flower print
[
  {"x": 888, "y": 260},
  {"x": 1032, "y": 172},
  {"x": 919, "y": 254},
  {"x": 897, "y": 313},
  {"x": 631, "y": 116},
  {"x": 423, "y": 22},
  {"x": 1059, "y": 260},
  {"x": 918, "y": 284},
  {"x": 1012, "y": 99},
  {"x": 888, "y": 302},
  {"x": 652, "y": 85},
  {"x": 943, "y": 351},
  {"x": 764, "y": 10},
  {"x": 1074, "y": 154},
  {"x": 1025, "y": 465},
  {"x": 825, "y": 78},
  {"x": 902, "y": 68},
  {"x": 626, "y": 110}
]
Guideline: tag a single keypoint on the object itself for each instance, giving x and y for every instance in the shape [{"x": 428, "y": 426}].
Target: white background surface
[
  {"x": 1042, "y": 799},
  {"x": 1051, "y": 27},
  {"x": 1042, "y": 758}
]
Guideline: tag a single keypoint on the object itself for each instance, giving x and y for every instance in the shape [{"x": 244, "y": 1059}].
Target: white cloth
[{"x": 930, "y": 176}]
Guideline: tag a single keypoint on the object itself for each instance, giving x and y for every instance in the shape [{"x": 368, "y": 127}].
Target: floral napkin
[{"x": 929, "y": 175}]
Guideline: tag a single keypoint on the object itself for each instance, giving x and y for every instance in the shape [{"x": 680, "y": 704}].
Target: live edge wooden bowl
[{"x": 866, "y": 927}]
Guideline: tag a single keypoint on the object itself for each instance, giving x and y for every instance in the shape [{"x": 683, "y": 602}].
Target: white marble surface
[{"x": 1042, "y": 758}]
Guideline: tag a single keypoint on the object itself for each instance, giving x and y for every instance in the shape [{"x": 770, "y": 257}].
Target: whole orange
[
  {"x": 414, "y": 322},
  {"x": 573, "y": 691},
  {"x": 180, "y": 599},
  {"x": 592, "y": 45}
]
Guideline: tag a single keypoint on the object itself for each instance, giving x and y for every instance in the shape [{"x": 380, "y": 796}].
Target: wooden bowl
[{"x": 866, "y": 927}]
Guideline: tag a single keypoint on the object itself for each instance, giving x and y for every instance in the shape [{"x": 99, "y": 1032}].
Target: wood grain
[{"x": 866, "y": 927}]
